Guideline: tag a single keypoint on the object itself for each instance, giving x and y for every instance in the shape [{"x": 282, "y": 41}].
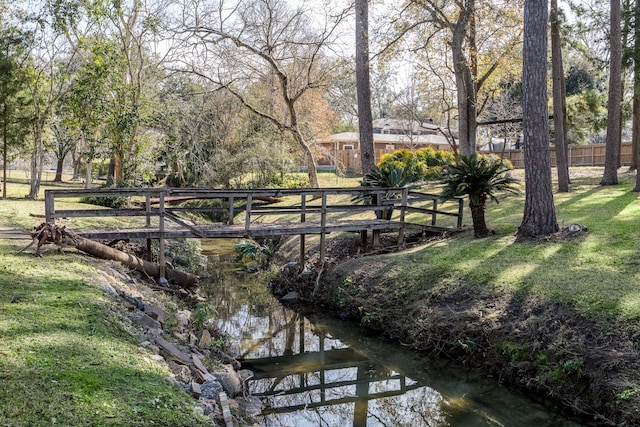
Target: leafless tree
[
  {"x": 479, "y": 36},
  {"x": 240, "y": 45}
]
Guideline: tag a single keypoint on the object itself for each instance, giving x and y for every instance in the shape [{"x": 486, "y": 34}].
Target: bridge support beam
[{"x": 363, "y": 239}]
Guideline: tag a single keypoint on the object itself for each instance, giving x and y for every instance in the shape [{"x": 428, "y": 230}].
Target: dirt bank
[{"x": 588, "y": 368}]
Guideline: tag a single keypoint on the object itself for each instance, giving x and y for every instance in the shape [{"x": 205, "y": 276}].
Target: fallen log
[{"x": 60, "y": 236}]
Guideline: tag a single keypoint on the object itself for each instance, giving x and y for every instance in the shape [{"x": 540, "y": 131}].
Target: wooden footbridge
[{"x": 253, "y": 213}]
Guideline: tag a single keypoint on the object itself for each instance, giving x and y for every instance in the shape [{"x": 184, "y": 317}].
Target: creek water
[{"x": 311, "y": 369}]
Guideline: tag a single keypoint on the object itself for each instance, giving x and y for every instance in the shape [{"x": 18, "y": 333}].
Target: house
[{"x": 341, "y": 150}]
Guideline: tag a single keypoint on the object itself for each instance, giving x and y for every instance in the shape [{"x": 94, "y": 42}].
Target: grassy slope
[{"x": 66, "y": 356}]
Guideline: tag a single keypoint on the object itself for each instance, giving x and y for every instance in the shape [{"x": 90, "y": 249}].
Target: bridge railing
[{"x": 307, "y": 203}]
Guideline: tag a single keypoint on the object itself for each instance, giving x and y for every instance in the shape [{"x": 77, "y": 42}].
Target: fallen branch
[{"x": 60, "y": 236}]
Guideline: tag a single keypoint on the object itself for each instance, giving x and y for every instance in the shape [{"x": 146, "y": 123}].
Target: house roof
[
  {"x": 405, "y": 126},
  {"x": 387, "y": 138}
]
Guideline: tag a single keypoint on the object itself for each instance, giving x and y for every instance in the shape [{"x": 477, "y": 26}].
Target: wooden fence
[{"x": 348, "y": 161}]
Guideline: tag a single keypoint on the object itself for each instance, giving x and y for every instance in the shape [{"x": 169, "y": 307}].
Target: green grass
[{"x": 66, "y": 356}]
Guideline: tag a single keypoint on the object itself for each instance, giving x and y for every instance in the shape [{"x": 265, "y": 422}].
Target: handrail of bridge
[{"x": 376, "y": 199}]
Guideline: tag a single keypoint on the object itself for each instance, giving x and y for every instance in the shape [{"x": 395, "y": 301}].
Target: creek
[{"x": 311, "y": 369}]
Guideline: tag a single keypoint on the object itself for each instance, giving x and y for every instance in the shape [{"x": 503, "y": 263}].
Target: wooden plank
[
  {"x": 198, "y": 363},
  {"x": 14, "y": 234},
  {"x": 177, "y": 220},
  {"x": 98, "y": 213}
]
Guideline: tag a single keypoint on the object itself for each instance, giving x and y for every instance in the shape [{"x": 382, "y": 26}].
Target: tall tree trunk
[
  {"x": 4, "y": 152},
  {"x": 37, "y": 158},
  {"x": 312, "y": 164},
  {"x": 614, "y": 115},
  {"x": 118, "y": 169},
  {"x": 539, "y": 211},
  {"x": 75, "y": 161},
  {"x": 59, "y": 166},
  {"x": 635, "y": 127},
  {"x": 559, "y": 111},
  {"x": 89, "y": 174},
  {"x": 111, "y": 172},
  {"x": 363, "y": 86},
  {"x": 466, "y": 95}
]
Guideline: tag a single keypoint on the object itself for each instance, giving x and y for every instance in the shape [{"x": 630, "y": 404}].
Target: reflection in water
[{"x": 323, "y": 372}]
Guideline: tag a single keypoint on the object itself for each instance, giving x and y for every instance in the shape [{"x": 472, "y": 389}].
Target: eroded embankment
[{"x": 586, "y": 368}]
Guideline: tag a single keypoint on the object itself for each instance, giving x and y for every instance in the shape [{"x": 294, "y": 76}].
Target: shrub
[
  {"x": 426, "y": 164},
  {"x": 185, "y": 254}
]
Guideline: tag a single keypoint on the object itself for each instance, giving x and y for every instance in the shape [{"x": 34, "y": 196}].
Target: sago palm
[
  {"x": 392, "y": 175},
  {"x": 480, "y": 178}
]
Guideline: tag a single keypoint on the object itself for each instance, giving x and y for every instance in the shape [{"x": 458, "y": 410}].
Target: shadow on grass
[{"x": 67, "y": 359}]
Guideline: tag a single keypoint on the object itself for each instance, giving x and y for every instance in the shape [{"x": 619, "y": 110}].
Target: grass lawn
[{"x": 597, "y": 272}]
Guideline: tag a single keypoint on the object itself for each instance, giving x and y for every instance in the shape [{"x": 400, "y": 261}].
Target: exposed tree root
[{"x": 62, "y": 237}]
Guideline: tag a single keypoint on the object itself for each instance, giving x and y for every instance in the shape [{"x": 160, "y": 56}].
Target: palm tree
[
  {"x": 390, "y": 175},
  {"x": 480, "y": 178}
]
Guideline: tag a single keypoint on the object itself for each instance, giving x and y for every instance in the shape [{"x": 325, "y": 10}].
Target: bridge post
[
  {"x": 403, "y": 210},
  {"x": 247, "y": 213},
  {"x": 303, "y": 218},
  {"x": 161, "y": 279},
  {"x": 323, "y": 225},
  {"x": 147, "y": 198},
  {"x": 49, "y": 207}
]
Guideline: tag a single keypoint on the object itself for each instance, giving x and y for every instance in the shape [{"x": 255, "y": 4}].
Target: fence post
[{"x": 460, "y": 208}]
